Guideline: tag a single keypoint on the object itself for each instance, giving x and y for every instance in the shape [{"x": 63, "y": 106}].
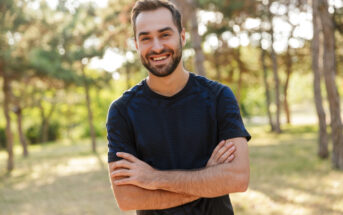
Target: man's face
[{"x": 158, "y": 41}]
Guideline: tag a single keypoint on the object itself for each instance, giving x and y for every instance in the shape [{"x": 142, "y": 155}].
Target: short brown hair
[{"x": 148, "y": 5}]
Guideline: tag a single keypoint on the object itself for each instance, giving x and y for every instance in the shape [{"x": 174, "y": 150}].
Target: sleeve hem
[
  {"x": 231, "y": 135},
  {"x": 112, "y": 157}
]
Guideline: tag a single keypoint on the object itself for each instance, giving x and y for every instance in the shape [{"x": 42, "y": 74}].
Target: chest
[{"x": 175, "y": 134}]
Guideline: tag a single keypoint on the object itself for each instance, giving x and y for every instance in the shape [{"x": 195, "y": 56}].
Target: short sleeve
[
  {"x": 230, "y": 123},
  {"x": 119, "y": 134}
]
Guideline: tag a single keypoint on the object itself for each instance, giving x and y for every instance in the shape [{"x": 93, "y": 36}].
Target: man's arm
[
  {"x": 208, "y": 182},
  {"x": 214, "y": 181},
  {"x": 131, "y": 197}
]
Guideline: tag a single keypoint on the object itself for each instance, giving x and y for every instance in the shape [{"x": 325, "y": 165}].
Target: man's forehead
[{"x": 154, "y": 20}]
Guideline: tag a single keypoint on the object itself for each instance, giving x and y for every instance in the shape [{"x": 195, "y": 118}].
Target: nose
[{"x": 157, "y": 46}]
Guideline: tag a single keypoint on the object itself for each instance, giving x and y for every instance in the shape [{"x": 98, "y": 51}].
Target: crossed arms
[{"x": 138, "y": 186}]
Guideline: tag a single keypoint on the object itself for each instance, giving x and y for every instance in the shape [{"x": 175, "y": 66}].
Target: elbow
[
  {"x": 244, "y": 186},
  {"x": 124, "y": 205},
  {"x": 244, "y": 183},
  {"x": 123, "y": 201}
]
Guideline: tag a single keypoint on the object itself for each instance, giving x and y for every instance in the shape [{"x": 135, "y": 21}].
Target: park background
[{"x": 62, "y": 63}]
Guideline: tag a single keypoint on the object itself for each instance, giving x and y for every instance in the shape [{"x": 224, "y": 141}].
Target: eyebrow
[
  {"x": 159, "y": 31},
  {"x": 165, "y": 29}
]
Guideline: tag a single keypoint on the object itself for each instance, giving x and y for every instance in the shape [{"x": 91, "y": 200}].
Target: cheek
[{"x": 142, "y": 50}]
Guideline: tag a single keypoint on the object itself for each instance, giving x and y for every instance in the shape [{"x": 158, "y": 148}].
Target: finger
[
  {"x": 230, "y": 158},
  {"x": 122, "y": 181},
  {"x": 218, "y": 147},
  {"x": 221, "y": 144},
  {"x": 223, "y": 149},
  {"x": 227, "y": 154},
  {"x": 120, "y": 173},
  {"x": 121, "y": 164},
  {"x": 126, "y": 156}
]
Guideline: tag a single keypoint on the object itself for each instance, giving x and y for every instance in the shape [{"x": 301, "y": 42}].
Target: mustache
[{"x": 158, "y": 53}]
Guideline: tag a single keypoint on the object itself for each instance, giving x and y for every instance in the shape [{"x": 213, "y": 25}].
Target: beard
[{"x": 163, "y": 70}]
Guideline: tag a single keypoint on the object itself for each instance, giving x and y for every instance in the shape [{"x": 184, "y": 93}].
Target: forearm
[
  {"x": 209, "y": 182},
  {"x": 131, "y": 197}
]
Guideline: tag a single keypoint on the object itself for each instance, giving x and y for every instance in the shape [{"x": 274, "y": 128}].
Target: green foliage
[
  {"x": 100, "y": 131},
  {"x": 49, "y": 63},
  {"x": 54, "y": 131},
  {"x": 2, "y": 138},
  {"x": 34, "y": 132}
]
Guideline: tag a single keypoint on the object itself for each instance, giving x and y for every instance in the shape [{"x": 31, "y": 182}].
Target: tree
[
  {"x": 275, "y": 70},
  {"x": 331, "y": 88},
  {"x": 18, "y": 110},
  {"x": 189, "y": 11},
  {"x": 12, "y": 24},
  {"x": 316, "y": 48},
  {"x": 266, "y": 86}
]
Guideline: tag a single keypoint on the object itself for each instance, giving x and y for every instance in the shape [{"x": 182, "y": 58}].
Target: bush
[
  {"x": 2, "y": 138},
  {"x": 99, "y": 132},
  {"x": 54, "y": 131},
  {"x": 34, "y": 133}
]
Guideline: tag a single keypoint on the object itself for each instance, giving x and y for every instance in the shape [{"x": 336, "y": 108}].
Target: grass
[
  {"x": 288, "y": 178},
  {"x": 66, "y": 178}
]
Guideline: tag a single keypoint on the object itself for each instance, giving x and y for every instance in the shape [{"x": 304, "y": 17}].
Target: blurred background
[{"x": 62, "y": 63}]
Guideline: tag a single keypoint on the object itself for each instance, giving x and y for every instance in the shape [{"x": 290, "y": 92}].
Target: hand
[
  {"x": 131, "y": 170},
  {"x": 223, "y": 153}
]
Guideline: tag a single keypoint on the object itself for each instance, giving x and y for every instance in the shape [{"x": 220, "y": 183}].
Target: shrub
[
  {"x": 2, "y": 138},
  {"x": 54, "y": 131},
  {"x": 34, "y": 132},
  {"x": 99, "y": 132}
]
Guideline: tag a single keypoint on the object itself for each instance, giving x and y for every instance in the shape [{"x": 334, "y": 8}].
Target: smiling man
[{"x": 177, "y": 143}]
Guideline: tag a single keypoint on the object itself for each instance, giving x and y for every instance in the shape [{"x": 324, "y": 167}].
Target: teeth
[{"x": 160, "y": 58}]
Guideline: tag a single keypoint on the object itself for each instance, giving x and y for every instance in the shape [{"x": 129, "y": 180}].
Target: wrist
[
  {"x": 156, "y": 176},
  {"x": 160, "y": 179}
]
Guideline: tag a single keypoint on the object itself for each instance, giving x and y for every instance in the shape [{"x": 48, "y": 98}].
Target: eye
[
  {"x": 145, "y": 38},
  {"x": 165, "y": 35}
]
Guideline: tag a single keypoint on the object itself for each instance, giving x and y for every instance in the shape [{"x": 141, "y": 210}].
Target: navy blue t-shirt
[{"x": 177, "y": 132}]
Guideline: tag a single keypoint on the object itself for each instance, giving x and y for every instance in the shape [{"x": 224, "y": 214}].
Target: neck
[{"x": 171, "y": 84}]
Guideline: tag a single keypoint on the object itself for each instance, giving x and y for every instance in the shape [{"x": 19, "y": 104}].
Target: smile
[{"x": 159, "y": 58}]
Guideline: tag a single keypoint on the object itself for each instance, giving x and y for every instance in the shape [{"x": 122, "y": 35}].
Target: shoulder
[
  {"x": 120, "y": 104},
  {"x": 213, "y": 87}
]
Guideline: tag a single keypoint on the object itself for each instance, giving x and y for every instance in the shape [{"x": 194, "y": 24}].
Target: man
[{"x": 177, "y": 143}]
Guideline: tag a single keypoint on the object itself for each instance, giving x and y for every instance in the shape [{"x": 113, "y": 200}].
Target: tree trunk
[
  {"x": 217, "y": 63},
  {"x": 189, "y": 11},
  {"x": 43, "y": 137},
  {"x": 90, "y": 112},
  {"x": 196, "y": 41},
  {"x": 275, "y": 73},
  {"x": 18, "y": 112},
  {"x": 45, "y": 122},
  {"x": 289, "y": 65},
  {"x": 266, "y": 87},
  {"x": 332, "y": 92},
  {"x": 231, "y": 74},
  {"x": 45, "y": 130},
  {"x": 323, "y": 151},
  {"x": 128, "y": 76},
  {"x": 9, "y": 136},
  {"x": 242, "y": 70}
]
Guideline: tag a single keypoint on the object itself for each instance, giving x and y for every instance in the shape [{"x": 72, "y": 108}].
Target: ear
[
  {"x": 136, "y": 45},
  {"x": 183, "y": 37}
]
